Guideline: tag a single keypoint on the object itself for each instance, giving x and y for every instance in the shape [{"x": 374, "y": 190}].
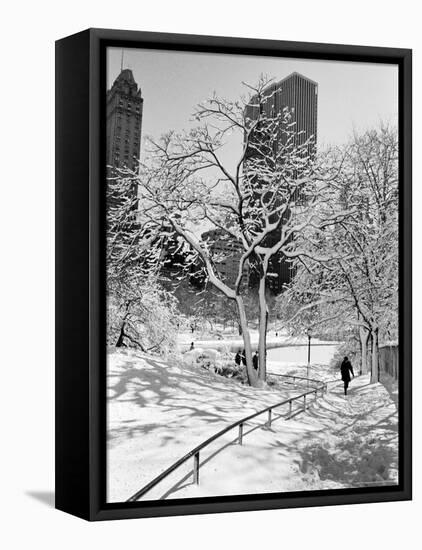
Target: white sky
[{"x": 350, "y": 95}]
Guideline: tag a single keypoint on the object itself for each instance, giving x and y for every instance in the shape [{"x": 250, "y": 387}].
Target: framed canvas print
[{"x": 233, "y": 274}]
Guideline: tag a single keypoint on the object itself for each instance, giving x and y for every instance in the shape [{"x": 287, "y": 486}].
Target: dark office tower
[
  {"x": 298, "y": 96},
  {"x": 124, "y": 122}
]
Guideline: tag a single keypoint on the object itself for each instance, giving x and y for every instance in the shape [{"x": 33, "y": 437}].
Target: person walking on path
[
  {"x": 255, "y": 361},
  {"x": 238, "y": 357},
  {"x": 346, "y": 368}
]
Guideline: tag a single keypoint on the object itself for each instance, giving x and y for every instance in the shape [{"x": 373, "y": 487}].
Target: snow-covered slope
[
  {"x": 340, "y": 442},
  {"x": 158, "y": 412}
]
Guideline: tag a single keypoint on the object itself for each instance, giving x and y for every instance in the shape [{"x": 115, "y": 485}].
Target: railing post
[
  {"x": 196, "y": 468},
  {"x": 240, "y": 434},
  {"x": 269, "y": 418}
]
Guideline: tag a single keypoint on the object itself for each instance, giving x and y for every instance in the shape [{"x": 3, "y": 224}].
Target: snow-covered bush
[
  {"x": 204, "y": 357},
  {"x": 142, "y": 315}
]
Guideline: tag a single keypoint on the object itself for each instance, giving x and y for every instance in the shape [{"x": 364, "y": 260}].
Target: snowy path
[
  {"x": 339, "y": 442},
  {"x": 158, "y": 412}
]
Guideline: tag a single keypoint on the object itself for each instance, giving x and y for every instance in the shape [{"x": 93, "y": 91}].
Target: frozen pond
[{"x": 282, "y": 359}]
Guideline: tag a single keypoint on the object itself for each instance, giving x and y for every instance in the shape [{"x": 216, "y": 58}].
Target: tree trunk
[
  {"x": 375, "y": 358},
  {"x": 364, "y": 336},
  {"x": 120, "y": 342},
  {"x": 252, "y": 377},
  {"x": 263, "y": 324}
]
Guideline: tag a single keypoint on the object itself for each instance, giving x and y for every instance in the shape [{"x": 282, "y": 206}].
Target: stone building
[{"x": 124, "y": 122}]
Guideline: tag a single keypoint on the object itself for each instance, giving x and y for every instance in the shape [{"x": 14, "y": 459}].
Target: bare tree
[
  {"x": 261, "y": 202},
  {"x": 362, "y": 283}
]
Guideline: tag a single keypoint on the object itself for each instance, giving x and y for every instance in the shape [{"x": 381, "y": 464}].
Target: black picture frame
[{"x": 80, "y": 285}]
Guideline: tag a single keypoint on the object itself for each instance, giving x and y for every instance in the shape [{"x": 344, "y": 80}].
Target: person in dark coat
[
  {"x": 346, "y": 369},
  {"x": 238, "y": 358},
  {"x": 255, "y": 361},
  {"x": 243, "y": 357}
]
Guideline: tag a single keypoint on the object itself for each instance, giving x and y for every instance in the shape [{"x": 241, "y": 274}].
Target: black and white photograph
[
  {"x": 210, "y": 232},
  {"x": 252, "y": 275}
]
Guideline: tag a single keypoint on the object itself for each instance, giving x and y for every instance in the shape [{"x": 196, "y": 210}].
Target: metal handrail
[
  {"x": 322, "y": 386},
  {"x": 295, "y": 377}
]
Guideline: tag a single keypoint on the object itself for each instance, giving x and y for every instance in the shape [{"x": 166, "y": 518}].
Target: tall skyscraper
[
  {"x": 299, "y": 95},
  {"x": 124, "y": 122}
]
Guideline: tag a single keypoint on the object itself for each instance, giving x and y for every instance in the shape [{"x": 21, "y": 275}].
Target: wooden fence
[{"x": 389, "y": 360}]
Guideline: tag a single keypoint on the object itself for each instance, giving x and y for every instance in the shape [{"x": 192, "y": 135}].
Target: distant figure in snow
[
  {"x": 255, "y": 361},
  {"x": 346, "y": 368},
  {"x": 238, "y": 357},
  {"x": 276, "y": 333},
  {"x": 191, "y": 346},
  {"x": 243, "y": 357}
]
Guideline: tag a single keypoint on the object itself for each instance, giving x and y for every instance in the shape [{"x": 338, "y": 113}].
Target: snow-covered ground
[
  {"x": 233, "y": 342},
  {"x": 293, "y": 360},
  {"x": 157, "y": 412},
  {"x": 340, "y": 442}
]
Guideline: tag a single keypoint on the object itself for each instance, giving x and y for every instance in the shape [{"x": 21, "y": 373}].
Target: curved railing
[{"x": 321, "y": 387}]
